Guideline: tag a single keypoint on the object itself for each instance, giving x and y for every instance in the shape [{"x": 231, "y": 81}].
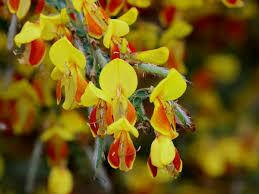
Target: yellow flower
[
  {"x": 48, "y": 28},
  {"x": 111, "y": 101},
  {"x": 122, "y": 152},
  {"x": 20, "y": 8},
  {"x": 164, "y": 156},
  {"x": 170, "y": 88},
  {"x": 116, "y": 29},
  {"x": 69, "y": 71},
  {"x": 34, "y": 34},
  {"x": 60, "y": 180},
  {"x": 68, "y": 125}
]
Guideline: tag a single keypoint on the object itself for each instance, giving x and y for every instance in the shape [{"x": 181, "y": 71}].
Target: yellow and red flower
[
  {"x": 164, "y": 156},
  {"x": 122, "y": 152},
  {"x": 34, "y": 34},
  {"x": 163, "y": 118},
  {"x": 69, "y": 71},
  {"x": 110, "y": 102}
]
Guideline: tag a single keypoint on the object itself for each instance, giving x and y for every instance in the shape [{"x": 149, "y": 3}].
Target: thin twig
[{"x": 33, "y": 166}]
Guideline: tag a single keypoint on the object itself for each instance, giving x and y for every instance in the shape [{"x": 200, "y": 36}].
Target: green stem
[{"x": 153, "y": 69}]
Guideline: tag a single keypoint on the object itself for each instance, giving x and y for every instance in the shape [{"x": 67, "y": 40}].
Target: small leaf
[{"x": 182, "y": 117}]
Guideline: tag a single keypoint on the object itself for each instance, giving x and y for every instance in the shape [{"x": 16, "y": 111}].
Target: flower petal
[
  {"x": 63, "y": 53},
  {"x": 160, "y": 121},
  {"x": 124, "y": 78},
  {"x": 113, "y": 156},
  {"x": 114, "y": 6},
  {"x": 122, "y": 125},
  {"x": 37, "y": 52},
  {"x": 29, "y": 32},
  {"x": 24, "y": 6},
  {"x": 130, "y": 16},
  {"x": 156, "y": 56},
  {"x": 170, "y": 88},
  {"x": 56, "y": 184},
  {"x": 162, "y": 151},
  {"x": 233, "y": 3},
  {"x": 152, "y": 169},
  {"x": 140, "y": 3}
]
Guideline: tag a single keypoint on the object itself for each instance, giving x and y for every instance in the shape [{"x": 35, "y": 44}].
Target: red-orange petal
[
  {"x": 81, "y": 85},
  {"x": 39, "y": 7},
  {"x": 14, "y": 4},
  {"x": 114, "y": 6},
  {"x": 93, "y": 28},
  {"x": 37, "y": 52},
  {"x": 167, "y": 15},
  {"x": 114, "y": 52},
  {"x": 58, "y": 91},
  {"x": 177, "y": 160},
  {"x": 130, "y": 153},
  {"x": 131, "y": 113},
  {"x": 152, "y": 168},
  {"x": 113, "y": 156},
  {"x": 92, "y": 121},
  {"x": 109, "y": 116}
]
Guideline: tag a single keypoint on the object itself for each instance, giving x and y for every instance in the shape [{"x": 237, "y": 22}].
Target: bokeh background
[{"x": 219, "y": 57}]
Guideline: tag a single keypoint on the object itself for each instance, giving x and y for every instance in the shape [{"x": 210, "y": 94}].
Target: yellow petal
[
  {"x": 118, "y": 75},
  {"x": 74, "y": 122},
  {"x": 124, "y": 45},
  {"x": 178, "y": 30},
  {"x": 57, "y": 131},
  {"x": 108, "y": 35},
  {"x": 162, "y": 151},
  {"x": 170, "y": 88},
  {"x": 92, "y": 95},
  {"x": 78, "y": 4},
  {"x": 157, "y": 56},
  {"x": 120, "y": 29},
  {"x": 64, "y": 16},
  {"x": 70, "y": 91},
  {"x": 130, "y": 16},
  {"x": 24, "y": 6},
  {"x": 29, "y": 32},
  {"x": 122, "y": 125},
  {"x": 49, "y": 26},
  {"x": 140, "y": 3},
  {"x": 62, "y": 54},
  {"x": 237, "y": 4},
  {"x": 60, "y": 180}
]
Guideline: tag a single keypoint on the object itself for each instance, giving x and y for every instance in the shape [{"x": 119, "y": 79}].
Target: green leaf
[{"x": 182, "y": 117}]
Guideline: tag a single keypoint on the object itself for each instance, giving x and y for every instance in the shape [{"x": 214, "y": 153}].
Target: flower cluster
[{"x": 87, "y": 49}]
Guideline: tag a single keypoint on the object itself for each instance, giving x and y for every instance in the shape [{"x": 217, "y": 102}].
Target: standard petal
[
  {"x": 118, "y": 75},
  {"x": 121, "y": 28},
  {"x": 63, "y": 53},
  {"x": 170, "y": 88}
]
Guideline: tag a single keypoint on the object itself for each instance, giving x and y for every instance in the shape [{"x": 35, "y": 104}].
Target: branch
[{"x": 153, "y": 69}]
